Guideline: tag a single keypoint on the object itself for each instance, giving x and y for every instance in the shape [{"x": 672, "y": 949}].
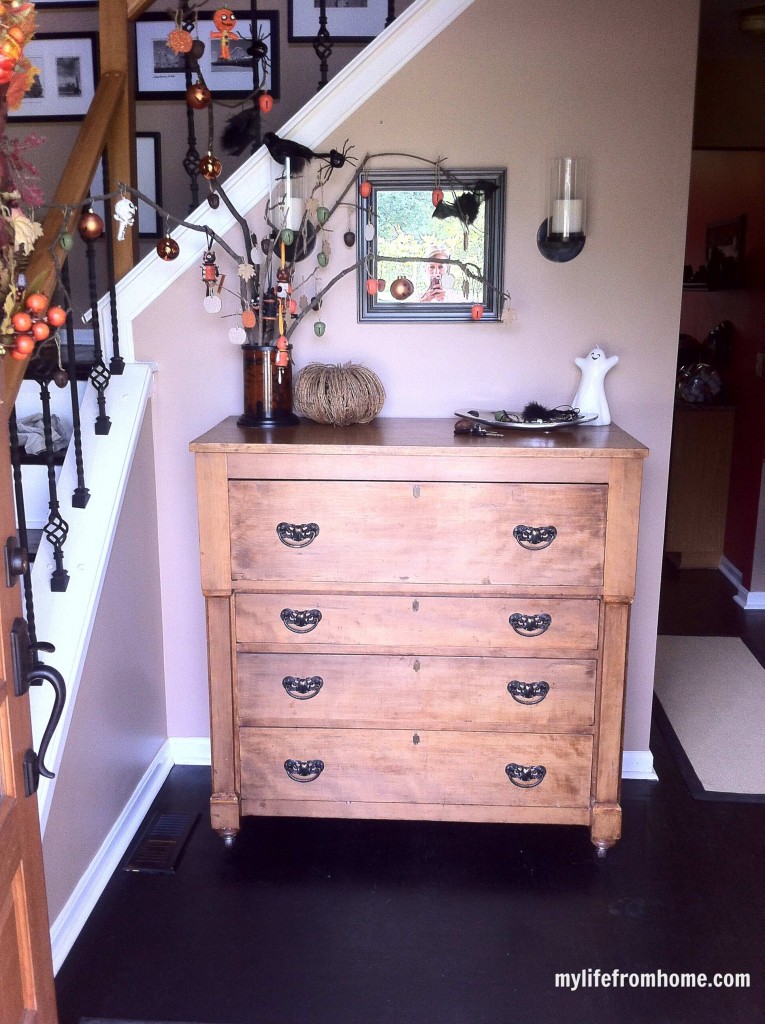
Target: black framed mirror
[{"x": 436, "y": 241}]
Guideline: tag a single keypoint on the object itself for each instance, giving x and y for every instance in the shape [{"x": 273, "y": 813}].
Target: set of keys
[{"x": 476, "y": 429}]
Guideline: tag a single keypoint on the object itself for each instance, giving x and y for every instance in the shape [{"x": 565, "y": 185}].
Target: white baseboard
[
  {"x": 190, "y": 749},
  {"x": 638, "y": 764},
  {"x": 70, "y": 921},
  {"x": 749, "y": 600}
]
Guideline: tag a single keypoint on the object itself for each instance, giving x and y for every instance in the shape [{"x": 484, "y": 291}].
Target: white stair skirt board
[
  {"x": 70, "y": 921},
  {"x": 636, "y": 764},
  {"x": 711, "y": 688}
]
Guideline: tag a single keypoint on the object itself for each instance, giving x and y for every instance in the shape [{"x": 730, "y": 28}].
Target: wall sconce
[{"x": 562, "y": 233}]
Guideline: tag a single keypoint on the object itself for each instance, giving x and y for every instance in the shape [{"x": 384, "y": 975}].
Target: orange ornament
[
  {"x": 248, "y": 318},
  {"x": 365, "y": 189},
  {"x": 437, "y": 196},
  {"x": 40, "y": 330},
  {"x": 476, "y": 311},
  {"x": 25, "y": 344},
  {"x": 180, "y": 41},
  {"x": 266, "y": 102},
  {"x": 372, "y": 286}
]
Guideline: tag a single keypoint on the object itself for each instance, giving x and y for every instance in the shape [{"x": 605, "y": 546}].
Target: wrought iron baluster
[
  {"x": 99, "y": 375},
  {"x": 191, "y": 160},
  {"x": 116, "y": 363},
  {"x": 56, "y": 529},
  {"x": 81, "y": 494},
  {"x": 256, "y": 133},
  {"x": 21, "y": 517},
  {"x": 391, "y": 12},
  {"x": 322, "y": 45}
]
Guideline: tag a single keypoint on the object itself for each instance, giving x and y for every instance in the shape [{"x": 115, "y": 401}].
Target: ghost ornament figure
[
  {"x": 590, "y": 398},
  {"x": 124, "y": 213}
]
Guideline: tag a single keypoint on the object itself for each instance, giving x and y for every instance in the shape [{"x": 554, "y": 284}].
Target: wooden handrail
[{"x": 71, "y": 192}]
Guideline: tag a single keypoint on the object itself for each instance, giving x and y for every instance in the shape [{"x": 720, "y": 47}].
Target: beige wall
[
  {"x": 119, "y": 722},
  {"x": 510, "y": 83}
]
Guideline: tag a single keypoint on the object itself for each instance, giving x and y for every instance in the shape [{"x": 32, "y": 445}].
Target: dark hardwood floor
[{"x": 364, "y": 922}]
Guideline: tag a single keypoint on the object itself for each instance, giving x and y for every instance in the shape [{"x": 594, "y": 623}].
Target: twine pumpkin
[{"x": 338, "y": 394}]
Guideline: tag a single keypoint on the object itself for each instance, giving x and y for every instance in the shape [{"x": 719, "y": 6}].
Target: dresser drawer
[
  {"x": 401, "y": 766},
  {"x": 416, "y": 625},
  {"x": 388, "y": 692},
  {"x": 400, "y": 531}
]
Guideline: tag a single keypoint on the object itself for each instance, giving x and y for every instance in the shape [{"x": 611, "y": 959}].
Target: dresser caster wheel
[
  {"x": 602, "y": 849},
  {"x": 228, "y": 839}
]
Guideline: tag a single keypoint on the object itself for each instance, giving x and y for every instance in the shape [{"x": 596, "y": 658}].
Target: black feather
[{"x": 241, "y": 131}]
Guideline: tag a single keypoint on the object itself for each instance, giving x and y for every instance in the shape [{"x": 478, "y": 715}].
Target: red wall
[{"x": 725, "y": 184}]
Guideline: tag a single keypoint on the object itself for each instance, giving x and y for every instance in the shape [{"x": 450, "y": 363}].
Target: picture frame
[
  {"x": 348, "y": 21},
  {"x": 725, "y": 253},
  {"x": 149, "y": 181},
  {"x": 160, "y": 72},
  {"x": 66, "y": 84},
  {"x": 407, "y": 242}
]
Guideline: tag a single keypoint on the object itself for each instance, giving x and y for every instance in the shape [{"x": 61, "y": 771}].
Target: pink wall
[
  {"x": 725, "y": 184},
  {"x": 511, "y": 84}
]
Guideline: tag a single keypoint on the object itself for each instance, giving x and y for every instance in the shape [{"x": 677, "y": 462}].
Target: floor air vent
[{"x": 161, "y": 844}]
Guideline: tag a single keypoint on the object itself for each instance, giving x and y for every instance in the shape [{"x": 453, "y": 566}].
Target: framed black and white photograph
[
  {"x": 348, "y": 21},
  {"x": 65, "y": 83},
  {"x": 161, "y": 71},
  {"x": 149, "y": 182}
]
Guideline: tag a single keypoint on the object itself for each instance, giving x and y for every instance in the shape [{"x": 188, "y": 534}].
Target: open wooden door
[{"x": 26, "y": 970}]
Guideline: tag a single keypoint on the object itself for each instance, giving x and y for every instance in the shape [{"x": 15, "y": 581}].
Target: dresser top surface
[{"x": 419, "y": 436}]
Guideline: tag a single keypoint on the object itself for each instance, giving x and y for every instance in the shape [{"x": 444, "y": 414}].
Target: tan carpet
[{"x": 712, "y": 690}]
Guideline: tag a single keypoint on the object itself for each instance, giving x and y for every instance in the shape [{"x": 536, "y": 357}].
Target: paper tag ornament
[{"x": 124, "y": 212}]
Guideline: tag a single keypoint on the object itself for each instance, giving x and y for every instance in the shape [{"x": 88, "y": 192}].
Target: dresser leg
[
  {"x": 228, "y": 836},
  {"x": 605, "y": 827}
]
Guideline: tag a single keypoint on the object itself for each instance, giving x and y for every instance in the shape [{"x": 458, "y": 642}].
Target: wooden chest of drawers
[{"x": 407, "y": 624}]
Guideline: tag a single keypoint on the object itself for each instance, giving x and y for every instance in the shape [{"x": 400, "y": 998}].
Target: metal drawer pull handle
[
  {"x": 301, "y": 622},
  {"x": 525, "y": 776},
  {"x": 528, "y": 693},
  {"x": 303, "y": 771},
  {"x": 535, "y": 538},
  {"x": 302, "y": 689},
  {"x": 530, "y": 625},
  {"x": 297, "y": 535}
]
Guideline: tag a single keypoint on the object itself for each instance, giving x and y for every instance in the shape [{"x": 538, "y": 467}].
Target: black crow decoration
[{"x": 466, "y": 205}]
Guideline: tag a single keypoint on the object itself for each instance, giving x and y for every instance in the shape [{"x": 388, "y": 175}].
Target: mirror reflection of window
[{"x": 430, "y": 251}]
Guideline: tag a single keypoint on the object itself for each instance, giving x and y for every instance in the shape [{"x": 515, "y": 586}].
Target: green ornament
[
  {"x": 288, "y": 236},
  {"x": 66, "y": 241},
  {"x": 322, "y": 259},
  {"x": 319, "y": 328},
  {"x": 322, "y": 215}
]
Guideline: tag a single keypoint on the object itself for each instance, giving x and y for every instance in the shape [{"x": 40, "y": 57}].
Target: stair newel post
[
  {"x": 99, "y": 375},
  {"x": 81, "y": 494},
  {"x": 56, "y": 528}
]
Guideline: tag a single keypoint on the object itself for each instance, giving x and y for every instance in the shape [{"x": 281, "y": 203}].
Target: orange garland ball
[
  {"x": 22, "y": 322},
  {"x": 37, "y": 303},
  {"x": 25, "y": 345},
  {"x": 56, "y": 316},
  {"x": 40, "y": 330}
]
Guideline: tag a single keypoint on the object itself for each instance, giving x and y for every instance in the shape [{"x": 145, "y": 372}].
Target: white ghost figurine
[
  {"x": 590, "y": 397},
  {"x": 124, "y": 212}
]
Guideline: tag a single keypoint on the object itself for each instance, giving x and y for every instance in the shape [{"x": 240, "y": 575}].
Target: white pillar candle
[{"x": 567, "y": 217}]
